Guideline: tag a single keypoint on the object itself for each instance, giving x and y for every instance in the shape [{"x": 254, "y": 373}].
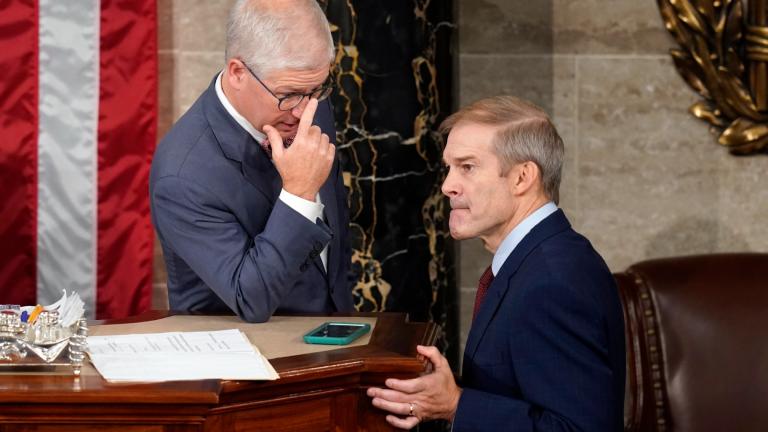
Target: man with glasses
[{"x": 246, "y": 194}]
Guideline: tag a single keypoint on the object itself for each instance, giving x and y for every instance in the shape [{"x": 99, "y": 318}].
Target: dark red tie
[
  {"x": 482, "y": 289},
  {"x": 268, "y": 147}
]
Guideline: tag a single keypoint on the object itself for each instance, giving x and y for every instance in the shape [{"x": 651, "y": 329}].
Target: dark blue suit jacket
[
  {"x": 229, "y": 243},
  {"x": 546, "y": 350}
]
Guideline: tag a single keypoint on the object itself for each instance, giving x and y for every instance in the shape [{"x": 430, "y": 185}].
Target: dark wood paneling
[{"x": 316, "y": 392}]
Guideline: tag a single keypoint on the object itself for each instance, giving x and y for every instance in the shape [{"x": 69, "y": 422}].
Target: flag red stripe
[
  {"x": 126, "y": 141},
  {"x": 18, "y": 152}
]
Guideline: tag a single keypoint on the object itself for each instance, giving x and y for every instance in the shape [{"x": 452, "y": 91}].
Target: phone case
[{"x": 330, "y": 340}]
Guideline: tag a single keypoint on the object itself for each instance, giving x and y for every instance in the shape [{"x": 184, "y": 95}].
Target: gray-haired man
[
  {"x": 247, "y": 223},
  {"x": 545, "y": 350}
]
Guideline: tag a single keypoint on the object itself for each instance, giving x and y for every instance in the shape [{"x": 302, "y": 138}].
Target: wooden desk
[{"x": 323, "y": 391}]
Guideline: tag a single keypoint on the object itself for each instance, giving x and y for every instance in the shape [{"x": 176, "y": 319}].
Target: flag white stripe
[{"x": 67, "y": 149}]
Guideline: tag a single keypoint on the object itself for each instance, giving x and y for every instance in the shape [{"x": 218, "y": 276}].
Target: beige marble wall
[{"x": 643, "y": 178}]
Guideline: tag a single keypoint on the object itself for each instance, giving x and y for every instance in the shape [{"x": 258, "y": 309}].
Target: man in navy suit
[
  {"x": 546, "y": 348},
  {"x": 246, "y": 193}
]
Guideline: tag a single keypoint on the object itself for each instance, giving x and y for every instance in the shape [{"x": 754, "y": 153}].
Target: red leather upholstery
[{"x": 697, "y": 343}]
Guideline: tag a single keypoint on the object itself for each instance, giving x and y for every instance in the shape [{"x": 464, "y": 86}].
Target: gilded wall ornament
[{"x": 723, "y": 55}]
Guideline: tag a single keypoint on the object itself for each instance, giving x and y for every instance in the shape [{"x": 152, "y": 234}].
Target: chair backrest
[{"x": 697, "y": 343}]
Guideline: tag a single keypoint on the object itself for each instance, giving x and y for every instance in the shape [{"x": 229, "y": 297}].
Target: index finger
[
  {"x": 410, "y": 386},
  {"x": 305, "y": 122},
  {"x": 390, "y": 395}
]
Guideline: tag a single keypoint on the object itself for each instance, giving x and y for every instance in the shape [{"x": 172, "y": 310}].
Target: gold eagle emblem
[{"x": 723, "y": 56}]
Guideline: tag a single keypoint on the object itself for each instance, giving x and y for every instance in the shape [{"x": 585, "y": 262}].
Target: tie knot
[
  {"x": 486, "y": 278},
  {"x": 265, "y": 144}
]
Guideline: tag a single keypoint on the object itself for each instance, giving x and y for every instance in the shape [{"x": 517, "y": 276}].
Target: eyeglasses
[{"x": 292, "y": 100}]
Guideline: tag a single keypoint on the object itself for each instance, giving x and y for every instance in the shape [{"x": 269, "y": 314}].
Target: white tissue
[{"x": 71, "y": 308}]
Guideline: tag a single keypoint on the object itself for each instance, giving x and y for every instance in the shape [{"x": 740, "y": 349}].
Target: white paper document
[{"x": 174, "y": 356}]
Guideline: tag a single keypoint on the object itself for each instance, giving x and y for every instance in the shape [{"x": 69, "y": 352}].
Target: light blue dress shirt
[{"x": 517, "y": 234}]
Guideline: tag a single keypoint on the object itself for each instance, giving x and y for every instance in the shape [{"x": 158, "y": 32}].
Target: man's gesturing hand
[
  {"x": 305, "y": 165},
  {"x": 431, "y": 396}
]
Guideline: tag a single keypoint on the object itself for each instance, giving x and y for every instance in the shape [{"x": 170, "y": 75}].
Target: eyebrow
[
  {"x": 461, "y": 159},
  {"x": 465, "y": 158}
]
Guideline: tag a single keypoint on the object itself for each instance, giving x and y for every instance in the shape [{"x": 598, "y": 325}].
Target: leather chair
[{"x": 697, "y": 343}]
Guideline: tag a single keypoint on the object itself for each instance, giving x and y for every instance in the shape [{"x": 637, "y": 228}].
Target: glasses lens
[{"x": 290, "y": 102}]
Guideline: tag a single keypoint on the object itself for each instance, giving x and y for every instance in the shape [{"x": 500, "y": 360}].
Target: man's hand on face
[
  {"x": 431, "y": 396},
  {"x": 305, "y": 165}
]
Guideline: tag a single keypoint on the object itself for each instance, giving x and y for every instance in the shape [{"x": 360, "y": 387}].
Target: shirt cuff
[{"x": 311, "y": 210}]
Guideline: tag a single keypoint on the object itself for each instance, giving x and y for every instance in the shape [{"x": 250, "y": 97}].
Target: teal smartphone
[{"x": 336, "y": 333}]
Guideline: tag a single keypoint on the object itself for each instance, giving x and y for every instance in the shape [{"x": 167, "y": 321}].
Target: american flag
[{"x": 78, "y": 108}]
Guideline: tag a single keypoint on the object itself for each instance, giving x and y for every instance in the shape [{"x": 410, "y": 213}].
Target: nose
[
  {"x": 299, "y": 109},
  {"x": 450, "y": 187}
]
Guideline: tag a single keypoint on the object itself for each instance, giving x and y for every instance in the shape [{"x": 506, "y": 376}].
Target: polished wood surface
[{"x": 315, "y": 392}]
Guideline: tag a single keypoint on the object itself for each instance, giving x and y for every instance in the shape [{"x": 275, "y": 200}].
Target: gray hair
[
  {"x": 525, "y": 133},
  {"x": 272, "y": 35}
]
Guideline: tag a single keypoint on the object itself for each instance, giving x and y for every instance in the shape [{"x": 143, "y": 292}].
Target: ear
[
  {"x": 524, "y": 178},
  {"x": 235, "y": 74}
]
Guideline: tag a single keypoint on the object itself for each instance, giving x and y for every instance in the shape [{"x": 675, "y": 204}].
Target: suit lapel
[
  {"x": 239, "y": 146},
  {"x": 551, "y": 225},
  {"x": 330, "y": 199},
  {"x": 260, "y": 171}
]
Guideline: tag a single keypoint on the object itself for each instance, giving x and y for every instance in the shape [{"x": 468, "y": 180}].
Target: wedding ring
[{"x": 410, "y": 409}]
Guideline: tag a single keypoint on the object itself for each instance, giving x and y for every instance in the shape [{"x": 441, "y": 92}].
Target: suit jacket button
[
  {"x": 318, "y": 246},
  {"x": 303, "y": 266}
]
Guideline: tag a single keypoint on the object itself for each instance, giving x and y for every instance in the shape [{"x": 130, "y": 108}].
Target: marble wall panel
[
  {"x": 200, "y": 25},
  {"x": 607, "y": 27},
  {"x": 525, "y": 76},
  {"x": 194, "y": 73},
  {"x": 743, "y": 203},
  {"x": 648, "y": 185},
  {"x": 563, "y": 115},
  {"x": 505, "y": 26}
]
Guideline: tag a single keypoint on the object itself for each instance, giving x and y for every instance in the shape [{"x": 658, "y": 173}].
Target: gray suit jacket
[{"x": 229, "y": 243}]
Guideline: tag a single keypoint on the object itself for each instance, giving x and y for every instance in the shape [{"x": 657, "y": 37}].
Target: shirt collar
[
  {"x": 245, "y": 124},
  {"x": 517, "y": 234}
]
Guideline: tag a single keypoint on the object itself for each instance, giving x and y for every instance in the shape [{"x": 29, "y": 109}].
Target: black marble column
[{"x": 393, "y": 73}]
